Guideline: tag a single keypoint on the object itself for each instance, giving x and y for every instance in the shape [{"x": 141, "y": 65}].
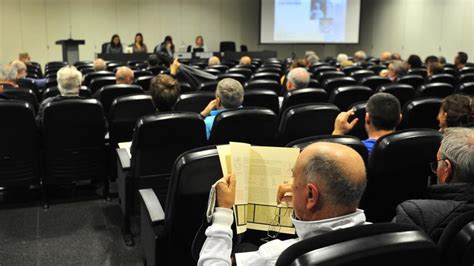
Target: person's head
[
  {"x": 328, "y": 181},
  {"x": 20, "y": 67},
  {"x": 311, "y": 58},
  {"x": 382, "y": 113},
  {"x": 360, "y": 56},
  {"x": 139, "y": 39},
  {"x": 456, "y": 110},
  {"x": 341, "y": 58},
  {"x": 69, "y": 81},
  {"x": 229, "y": 94},
  {"x": 245, "y": 60},
  {"x": 414, "y": 61},
  {"x": 396, "y": 69},
  {"x": 455, "y": 157},
  {"x": 115, "y": 41},
  {"x": 396, "y": 56},
  {"x": 214, "y": 60},
  {"x": 460, "y": 60},
  {"x": 442, "y": 60},
  {"x": 164, "y": 91},
  {"x": 153, "y": 60},
  {"x": 199, "y": 41},
  {"x": 435, "y": 68},
  {"x": 385, "y": 56},
  {"x": 168, "y": 40},
  {"x": 346, "y": 63},
  {"x": 8, "y": 74},
  {"x": 124, "y": 75},
  {"x": 24, "y": 57},
  {"x": 431, "y": 59},
  {"x": 99, "y": 65},
  {"x": 298, "y": 62},
  {"x": 298, "y": 78}
]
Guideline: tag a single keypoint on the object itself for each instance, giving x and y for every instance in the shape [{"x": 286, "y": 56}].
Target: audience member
[
  {"x": 245, "y": 60},
  {"x": 24, "y": 57},
  {"x": 164, "y": 91},
  {"x": 359, "y": 56},
  {"x": 124, "y": 75},
  {"x": 456, "y": 110},
  {"x": 166, "y": 47},
  {"x": 346, "y": 63},
  {"x": 297, "y": 62},
  {"x": 199, "y": 43},
  {"x": 383, "y": 114},
  {"x": 434, "y": 68},
  {"x": 454, "y": 193},
  {"x": 214, "y": 60},
  {"x": 115, "y": 46},
  {"x": 153, "y": 60},
  {"x": 20, "y": 67},
  {"x": 328, "y": 182},
  {"x": 431, "y": 59},
  {"x": 138, "y": 45},
  {"x": 460, "y": 60},
  {"x": 414, "y": 61},
  {"x": 396, "y": 56},
  {"x": 99, "y": 65},
  {"x": 229, "y": 95},
  {"x": 8, "y": 76},
  {"x": 311, "y": 58},
  {"x": 341, "y": 58},
  {"x": 385, "y": 56},
  {"x": 69, "y": 83},
  {"x": 396, "y": 69},
  {"x": 442, "y": 60},
  {"x": 298, "y": 78}
]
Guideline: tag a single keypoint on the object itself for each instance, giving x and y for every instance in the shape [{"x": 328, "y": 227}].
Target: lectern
[{"x": 70, "y": 50}]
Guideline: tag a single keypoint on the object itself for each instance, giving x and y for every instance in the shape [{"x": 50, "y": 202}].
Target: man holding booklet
[{"x": 328, "y": 182}]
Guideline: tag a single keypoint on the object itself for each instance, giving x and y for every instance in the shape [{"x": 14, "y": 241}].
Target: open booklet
[{"x": 258, "y": 172}]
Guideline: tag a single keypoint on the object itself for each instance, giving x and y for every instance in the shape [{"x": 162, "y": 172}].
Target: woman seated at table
[
  {"x": 138, "y": 45},
  {"x": 115, "y": 46}
]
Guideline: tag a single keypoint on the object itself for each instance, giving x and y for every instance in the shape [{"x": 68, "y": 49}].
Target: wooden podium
[{"x": 70, "y": 50}]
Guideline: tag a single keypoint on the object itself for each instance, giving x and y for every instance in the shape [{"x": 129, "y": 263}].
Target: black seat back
[
  {"x": 359, "y": 112},
  {"x": 266, "y": 84},
  {"x": 23, "y": 95},
  {"x": 109, "y": 93},
  {"x": 19, "y": 144},
  {"x": 99, "y": 82},
  {"x": 261, "y": 98},
  {"x": 306, "y": 120},
  {"x": 90, "y": 76},
  {"x": 333, "y": 83},
  {"x": 251, "y": 125},
  {"x": 267, "y": 76},
  {"x": 360, "y": 74},
  {"x": 414, "y": 80},
  {"x": 239, "y": 77},
  {"x": 399, "y": 170},
  {"x": 421, "y": 113},
  {"x": 371, "y": 244},
  {"x": 208, "y": 86},
  {"x": 301, "y": 96},
  {"x": 444, "y": 78},
  {"x": 456, "y": 244},
  {"x": 374, "y": 82},
  {"x": 418, "y": 71},
  {"x": 144, "y": 82},
  {"x": 343, "y": 97},
  {"x": 194, "y": 101},
  {"x": 435, "y": 89},
  {"x": 466, "y": 88},
  {"x": 53, "y": 91},
  {"x": 403, "y": 92}
]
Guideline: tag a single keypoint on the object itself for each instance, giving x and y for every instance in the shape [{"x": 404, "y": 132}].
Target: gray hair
[
  {"x": 342, "y": 57},
  {"x": 69, "y": 81},
  {"x": 8, "y": 72},
  {"x": 458, "y": 146},
  {"x": 340, "y": 189},
  {"x": 312, "y": 59},
  {"x": 360, "y": 55},
  {"x": 299, "y": 77},
  {"x": 399, "y": 67},
  {"x": 231, "y": 93},
  {"x": 100, "y": 64}
]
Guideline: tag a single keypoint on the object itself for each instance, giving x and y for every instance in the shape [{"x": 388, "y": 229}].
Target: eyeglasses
[
  {"x": 274, "y": 227},
  {"x": 434, "y": 165}
]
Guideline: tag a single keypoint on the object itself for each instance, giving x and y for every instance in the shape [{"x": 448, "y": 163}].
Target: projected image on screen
[{"x": 310, "y": 21}]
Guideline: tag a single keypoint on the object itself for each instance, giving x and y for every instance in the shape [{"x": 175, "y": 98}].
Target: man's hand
[
  {"x": 341, "y": 125},
  {"x": 225, "y": 189},
  {"x": 211, "y": 106},
  {"x": 174, "y": 67},
  {"x": 282, "y": 190}
]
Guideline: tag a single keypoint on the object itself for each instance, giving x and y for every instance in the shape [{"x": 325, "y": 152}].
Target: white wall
[{"x": 424, "y": 27}]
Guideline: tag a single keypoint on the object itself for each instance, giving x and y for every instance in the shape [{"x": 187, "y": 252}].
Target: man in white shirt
[{"x": 329, "y": 180}]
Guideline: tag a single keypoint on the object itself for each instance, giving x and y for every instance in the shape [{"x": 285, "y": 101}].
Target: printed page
[
  {"x": 127, "y": 146},
  {"x": 225, "y": 159},
  {"x": 269, "y": 167}
]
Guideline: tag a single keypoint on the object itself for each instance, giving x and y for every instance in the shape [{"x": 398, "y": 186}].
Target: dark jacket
[{"x": 433, "y": 215}]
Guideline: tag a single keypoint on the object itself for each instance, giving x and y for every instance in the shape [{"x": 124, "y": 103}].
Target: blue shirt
[
  {"x": 369, "y": 144},
  {"x": 209, "y": 121}
]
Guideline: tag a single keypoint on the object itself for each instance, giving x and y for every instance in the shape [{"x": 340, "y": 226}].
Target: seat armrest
[
  {"x": 152, "y": 205},
  {"x": 124, "y": 158}
]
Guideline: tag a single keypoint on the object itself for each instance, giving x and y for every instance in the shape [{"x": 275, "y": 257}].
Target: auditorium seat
[
  {"x": 399, "y": 170},
  {"x": 156, "y": 69},
  {"x": 276, "y": 70},
  {"x": 456, "y": 244},
  {"x": 29, "y": 85},
  {"x": 266, "y": 76},
  {"x": 185, "y": 87},
  {"x": 376, "y": 69},
  {"x": 370, "y": 244},
  {"x": 418, "y": 71},
  {"x": 317, "y": 70},
  {"x": 333, "y": 83},
  {"x": 19, "y": 145},
  {"x": 220, "y": 67},
  {"x": 208, "y": 86},
  {"x": 107, "y": 94},
  {"x": 167, "y": 230},
  {"x": 421, "y": 113},
  {"x": 450, "y": 70},
  {"x": 251, "y": 125},
  {"x": 141, "y": 73},
  {"x": 73, "y": 143},
  {"x": 264, "y": 84},
  {"x": 444, "y": 78},
  {"x": 414, "y": 80},
  {"x": 313, "y": 83},
  {"x": 403, "y": 92},
  {"x": 227, "y": 47},
  {"x": 306, "y": 120},
  {"x": 194, "y": 101},
  {"x": 112, "y": 66},
  {"x": 261, "y": 98},
  {"x": 466, "y": 77},
  {"x": 348, "y": 70},
  {"x": 89, "y": 77},
  {"x": 343, "y": 97},
  {"x": 466, "y": 69},
  {"x": 466, "y": 88},
  {"x": 374, "y": 82},
  {"x": 144, "y": 82},
  {"x": 239, "y": 77},
  {"x": 99, "y": 82},
  {"x": 153, "y": 153},
  {"x": 244, "y": 71},
  {"x": 54, "y": 91},
  {"x": 360, "y": 74},
  {"x": 252, "y": 67},
  {"x": 23, "y": 95},
  {"x": 301, "y": 96},
  {"x": 435, "y": 89},
  {"x": 51, "y": 82},
  {"x": 86, "y": 71},
  {"x": 359, "y": 112},
  {"x": 323, "y": 76}
]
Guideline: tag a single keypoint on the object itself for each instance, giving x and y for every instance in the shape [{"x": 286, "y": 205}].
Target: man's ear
[
  {"x": 367, "y": 118},
  {"x": 218, "y": 102},
  {"x": 289, "y": 84},
  {"x": 448, "y": 171},
  {"x": 312, "y": 196}
]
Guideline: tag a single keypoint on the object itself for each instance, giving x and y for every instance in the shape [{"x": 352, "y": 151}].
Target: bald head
[
  {"x": 339, "y": 173},
  {"x": 214, "y": 61},
  {"x": 298, "y": 78},
  {"x": 99, "y": 64},
  {"x": 245, "y": 60},
  {"x": 124, "y": 75},
  {"x": 385, "y": 56}
]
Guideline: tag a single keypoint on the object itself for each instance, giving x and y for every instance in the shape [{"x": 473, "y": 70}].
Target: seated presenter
[
  {"x": 199, "y": 44},
  {"x": 138, "y": 45}
]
